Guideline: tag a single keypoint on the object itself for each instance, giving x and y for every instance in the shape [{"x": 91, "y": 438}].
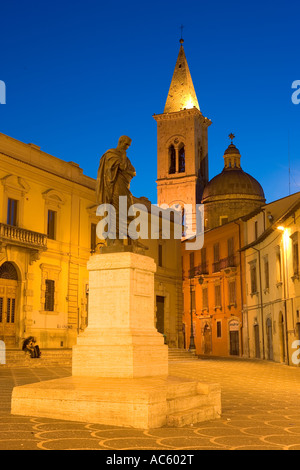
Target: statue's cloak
[{"x": 107, "y": 175}]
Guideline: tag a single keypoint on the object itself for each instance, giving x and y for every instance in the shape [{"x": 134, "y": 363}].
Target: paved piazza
[{"x": 260, "y": 400}]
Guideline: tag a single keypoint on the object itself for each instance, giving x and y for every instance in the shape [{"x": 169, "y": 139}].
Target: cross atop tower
[{"x": 231, "y": 137}]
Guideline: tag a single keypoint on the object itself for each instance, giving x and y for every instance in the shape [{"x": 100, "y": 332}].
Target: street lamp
[
  {"x": 285, "y": 280},
  {"x": 192, "y": 347}
]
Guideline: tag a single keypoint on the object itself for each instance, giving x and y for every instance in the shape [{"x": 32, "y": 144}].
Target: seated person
[{"x": 30, "y": 346}]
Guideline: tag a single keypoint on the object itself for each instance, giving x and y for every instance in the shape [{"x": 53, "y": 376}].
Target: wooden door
[
  {"x": 160, "y": 314},
  {"x": 207, "y": 340},
  {"x": 8, "y": 298},
  {"x": 234, "y": 343}
]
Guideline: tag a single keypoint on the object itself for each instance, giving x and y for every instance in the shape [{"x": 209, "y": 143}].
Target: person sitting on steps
[{"x": 30, "y": 347}]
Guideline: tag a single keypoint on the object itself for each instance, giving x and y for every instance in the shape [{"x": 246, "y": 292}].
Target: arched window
[
  {"x": 181, "y": 156},
  {"x": 8, "y": 271},
  {"x": 172, "y": 159}
]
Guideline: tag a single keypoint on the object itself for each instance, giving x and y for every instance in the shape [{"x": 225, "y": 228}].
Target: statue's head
[{"x": 124, "y": 142}]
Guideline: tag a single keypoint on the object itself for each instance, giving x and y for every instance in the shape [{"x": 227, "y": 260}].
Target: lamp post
[
  {"x": 285, "y": 280},
  {"x": 192, "y": 347}
]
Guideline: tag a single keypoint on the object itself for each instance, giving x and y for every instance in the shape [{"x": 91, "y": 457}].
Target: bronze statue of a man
[{"x": 113, "y": 180}]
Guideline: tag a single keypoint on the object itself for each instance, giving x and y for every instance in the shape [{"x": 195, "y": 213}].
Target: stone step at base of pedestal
[
  {"x": 50, "y": 358},
  {"x": 142, "y": 403},
  {"x": 193, "y": 416},
  {"x": 175, "y": 354},
  {"x": 188, "y": 402}
]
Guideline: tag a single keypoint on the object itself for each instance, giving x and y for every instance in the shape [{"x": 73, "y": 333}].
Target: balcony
[
  {"x": 199, "y": 270},
  {"x": 228, "y": 263},
  {"x": 36, "y": 242}
]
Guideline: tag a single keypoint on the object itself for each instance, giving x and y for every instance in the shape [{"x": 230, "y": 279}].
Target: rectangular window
[
  {"x": 192, "y": 264},
  {"x": 218, "y": 301},
  {"x": 216, "y": 252},
  {"x": 49, "y": 295},
  {"x": 278, "y": 265},
  {"x": 205, "y": 298},
  {"x": 160, "y": 255},
  {"x": 255, "y": 230},
  {"x": 223, "y": 220},
  {"x": 232, "y": 292},
  {"x": 203, "y": 256},
  {"x": 266, "y": 268},
  {"x": 219, "y": 329},
  {"x": 51, "y": 227},
  {"x": 12, "y": 212},
  {"x": 230, "y": 246},
  {"x": 253, "y": 278},
  {"x": 203, "y": 261},
  {"x": 216, "y": 264},
  {"x": 93, "y": 237},
  {"x": 295, "y": 254}
]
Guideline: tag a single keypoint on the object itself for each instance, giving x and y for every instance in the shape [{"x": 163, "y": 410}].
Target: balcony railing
[
  {"x": 198, "y": 270},
  {"x": 229, "y": 262},
  {"x": 20, "y": 236}
]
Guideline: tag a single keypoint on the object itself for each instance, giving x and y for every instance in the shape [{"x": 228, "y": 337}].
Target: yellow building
[
  {"x": 47, "y": 233},
  {"x": 272, "y": 321},
  {"x": 213, "y": 289}
]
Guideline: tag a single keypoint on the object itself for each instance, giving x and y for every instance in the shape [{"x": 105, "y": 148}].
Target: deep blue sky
[{"x": 80, "y": 74}]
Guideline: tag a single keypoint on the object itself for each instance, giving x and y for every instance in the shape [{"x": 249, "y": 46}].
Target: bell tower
[{"x": 182, "y": 148}]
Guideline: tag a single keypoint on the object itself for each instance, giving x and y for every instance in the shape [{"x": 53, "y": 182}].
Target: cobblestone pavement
[{"x": 260, "y": 411}]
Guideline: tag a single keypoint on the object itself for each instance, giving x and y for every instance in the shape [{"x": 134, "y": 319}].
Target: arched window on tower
[
  {"x": 181, "y": 156},
  {"x": 172, "y": 159}
]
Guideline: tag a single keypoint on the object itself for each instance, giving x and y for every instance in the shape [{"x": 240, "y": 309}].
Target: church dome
[
  {"x": 233, "y": 180},
  {"x": 231, "y": 194}
]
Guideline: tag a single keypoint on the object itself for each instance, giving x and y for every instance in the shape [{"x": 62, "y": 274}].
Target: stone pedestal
[
  {"x": 120, "y": 340},
  {"x": 120, "y": 363}
]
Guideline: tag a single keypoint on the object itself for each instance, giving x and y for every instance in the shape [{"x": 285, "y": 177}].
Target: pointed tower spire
[{"x": 182, "y": 94}]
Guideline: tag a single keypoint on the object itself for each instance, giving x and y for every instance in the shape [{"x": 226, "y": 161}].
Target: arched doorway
[
  {"x": 8, "y": 302},
  {"x": 270, "y": 339},
  {"x": 281, "y": 338}
]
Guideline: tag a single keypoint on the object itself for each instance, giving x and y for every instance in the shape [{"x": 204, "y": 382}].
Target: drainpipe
[
  {"x": 285, "y": 281},
  {"x": 261, "y": 302},
  {"x": 242, "y": 296}
]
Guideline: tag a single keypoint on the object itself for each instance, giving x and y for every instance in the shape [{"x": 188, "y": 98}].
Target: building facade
[
  {"x": 47, "y": 233},
  {"x": 213, "y": 292},
  {"x": 271, "y": 314}
]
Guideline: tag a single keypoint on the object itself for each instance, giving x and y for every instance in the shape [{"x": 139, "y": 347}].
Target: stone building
[
  {"x": 213, "y": 288},
  {"x": 272, "y": 311},
  {"x": 47, "y": 233},
  {"x": 182, "y": 145}
]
